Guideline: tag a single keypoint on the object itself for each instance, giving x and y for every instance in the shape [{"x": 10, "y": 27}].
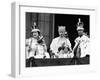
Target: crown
[
  {"x": 80, "y": 25},
  {"x": 62, "y": 28},
  {"x": 79, "y": 22},
  {"x": 34, "y": 27}
]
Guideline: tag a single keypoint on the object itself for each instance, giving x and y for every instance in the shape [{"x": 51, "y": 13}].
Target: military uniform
[
  {"x": 82, "y": 42},
  {"x": 84, "y": 45}
]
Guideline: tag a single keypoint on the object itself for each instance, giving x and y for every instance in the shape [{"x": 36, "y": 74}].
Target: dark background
[
  {"x": 70, "y": 21},
  {"x": 46, "y": 22}
]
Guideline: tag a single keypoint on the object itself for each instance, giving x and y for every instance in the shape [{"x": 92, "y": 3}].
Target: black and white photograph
[
  {"x": 52, "y": 40},
  {"x": 56, "y": 39}
]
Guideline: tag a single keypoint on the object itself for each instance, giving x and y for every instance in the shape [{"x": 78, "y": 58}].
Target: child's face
[{"x": 66, "y": 50}]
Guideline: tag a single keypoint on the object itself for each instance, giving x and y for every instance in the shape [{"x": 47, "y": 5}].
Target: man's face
[
  {"x": 80, "y": 32},
  {"x": 35, "y": 34},
  {"x": 61, "y": 33}
]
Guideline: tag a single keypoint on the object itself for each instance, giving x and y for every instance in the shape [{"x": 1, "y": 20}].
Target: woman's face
[
  {"x": 35, "y": 34},
  {"x": 61, "y": 33}
]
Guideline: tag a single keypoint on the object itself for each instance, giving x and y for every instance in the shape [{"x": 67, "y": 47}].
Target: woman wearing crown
[
  {"x": 61, "y": 46},
  {"x": 36, "y": 46}
]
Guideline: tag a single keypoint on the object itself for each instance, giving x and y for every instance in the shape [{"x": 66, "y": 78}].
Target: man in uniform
[
  {"x": 61, "y": 46},
  {"x": 81, "y": 48}
]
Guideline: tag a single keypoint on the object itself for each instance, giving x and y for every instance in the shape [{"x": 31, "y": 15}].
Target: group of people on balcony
[{"x": 60, "y": 46}]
